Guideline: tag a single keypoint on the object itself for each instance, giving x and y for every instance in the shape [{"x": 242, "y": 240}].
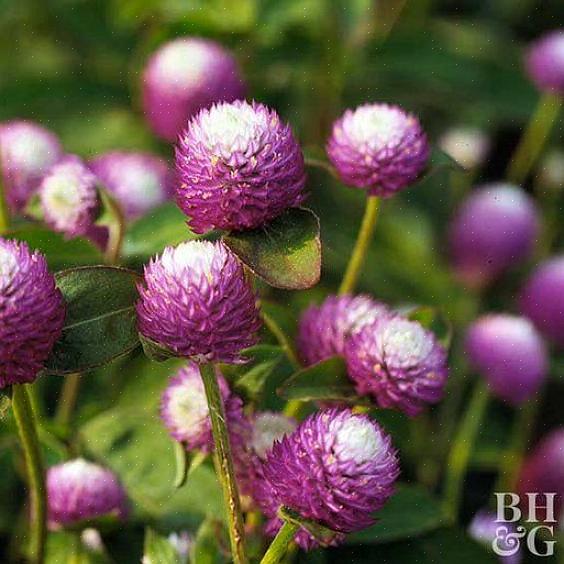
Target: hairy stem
[
  {"x": 25, "y": 421},
  {"x": 279, "y": 545},
  {"x": 224, "y": 464},
  {"x": 67, "y": 399},
  {"x": 361, "y": 246}
]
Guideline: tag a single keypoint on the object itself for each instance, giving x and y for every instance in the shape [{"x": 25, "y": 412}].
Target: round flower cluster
[
  {"x": 32, "y": 313},
  {"x": 27, "y": 151},
  {"x": 378, "y": 147},
  {"x": 197, "y": 302},
  {"x": 545, "y": 62},
  {"x": 139, "y": 181},
  {"x": 239, "y": 166},
  {"x": 466, "y": 145},
  {"x": 184, "y": 76},
  {"x": 79, "y": 491},
  {"x": 483, "y": 529}
]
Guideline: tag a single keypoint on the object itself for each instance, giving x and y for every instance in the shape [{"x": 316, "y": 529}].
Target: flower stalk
[
  {"x": 224, "y": 463},
  {"x": 4, "y": 213},
  {"x": 279, "y": 546}
]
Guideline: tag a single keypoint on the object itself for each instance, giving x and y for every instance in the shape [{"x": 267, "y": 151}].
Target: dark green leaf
[
  {"x": 432, "y": 319},
  {"x": 411, "y": 511},
  {"x": 155, "y": 351},
  {"x": 286, "y": 253},
  {"x": 100, "y": 323},
  {"x": 252, "y": 382},
  {"x": 326, "y": 380},
  {"x": 321, "y": 534},
  {"x": 158, "y": 550}
]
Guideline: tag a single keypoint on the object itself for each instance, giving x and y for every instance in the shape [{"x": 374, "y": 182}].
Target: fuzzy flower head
[
  {"x": 323, "y": 329},
  {"x": 185, "y": 76},
  {"x": 198, "y": 303},
  {"x": 378, "y": 147},
  {"x": 239, "y": 166},
  {"x": 542, "y": 302},
  {"x": 27, "y": 151},
  {"x": 32, "y": 313},
  {"x": 495, "y": 228},
  {"x": 485, "y": 529},
  {"x": 69, "y": 197},
  {"x": 397, "y": 362},
  {"x": 79, "y": 490},
  {"x": 139, "y": 181},
  {"x": 269, "y": 427},
  {"x": 468, "y": 146},
  {"x": 337, "y": 468},
  {"x": 510, "y": 354},
  {"x": 545, "y": 62}
]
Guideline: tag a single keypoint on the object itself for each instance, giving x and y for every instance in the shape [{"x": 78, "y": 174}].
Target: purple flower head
[
  {"x": 139, "y": 181},
  {"x": 32, "y": 313},
  {"x": 485, "y": 529},
  {"x": 239, "y": 166},
  {"x": 197, "y": 302},
  {"x": 466, "y": 145},
  {"x": 495, "y": 228},
  {"x": 545, "y": 62},
  {"x": 184, "y": 76},
  {"x": 542, "y": 302},
  {"x": 323, "y": 329},
  {"x": 69, "y": 197},
  {"x": 397, "y": 362},
  {"x": 27, "y": 150},
  {"x": 79, "y": 490},
  {"x": 378, "y": 147},
  {"x": 510, "y": 354},
  {"x": 337, "y": 468},
  {"x": 543, "y": 472}
]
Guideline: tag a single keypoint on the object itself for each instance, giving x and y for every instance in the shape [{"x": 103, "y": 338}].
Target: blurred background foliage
[{"x": 75, "y": 66}]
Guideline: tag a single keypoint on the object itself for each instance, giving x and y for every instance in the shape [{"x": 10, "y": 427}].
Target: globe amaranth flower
[
  {"x": 32, "y": 313},
  {"x": 27, "y": 151},
  {"x": 378, "y": 147},
  {"x": 510, "y": 354},
  {"x": 485, "y": 529},
  {"x": 198, "y": 302},
  {"x": 468, "y": 146},
  {"x": 495, "y": 228},
  {"x": 238, "y": 167},
  {"x": 79, "y": 490},
  {"x": 541, "y": 299},
  {"x": 542, "y": 473},
  {"x": 336, "y": 468},
  {"x": 138, "y": 181},
  {"x": 545, "y": 62},
  {"x": 397, "y": 362},
  {"x": 184, "y": 76},
  {"x": 322, "y": 329},
  {"x": 69, "y": 197}
]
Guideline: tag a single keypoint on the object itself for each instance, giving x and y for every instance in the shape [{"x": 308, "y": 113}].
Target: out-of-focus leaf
[
  {"x": 326, "y": 380},
  {"x": 100, "y": 322},
  {"x": 433, "y": 320},
  {"x": 64, "y": 547},
  {"x": 158, "y": 550},
  {"x": 59, "y": 252},
  {"x": 206, "y": 547},
  {"x": 410, "y": 512},
  {"x": 186, "y": 463},
  {"x": 286, "y": 253}
]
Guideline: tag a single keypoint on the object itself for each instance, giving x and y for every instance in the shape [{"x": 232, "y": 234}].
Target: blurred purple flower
[
  {"x": 545, "y": 62},
  {"x": 484, "y": 528}
]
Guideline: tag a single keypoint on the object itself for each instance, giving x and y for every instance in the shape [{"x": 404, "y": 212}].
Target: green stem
[
  {"x": 361, "y": 246},
  {"x": 534, "y": 137},
  {"x": 224, "y": 464},
  {"x": 462, "y": 447},
  {"x": 4, "y": 212},
  {"x": 279, "y": 545},
  {"x": 283, "y": 340},
  {"x": 67, "y": 399},
  {"x": 322, "y": 165},
  {"x": 25, "y": 421}
]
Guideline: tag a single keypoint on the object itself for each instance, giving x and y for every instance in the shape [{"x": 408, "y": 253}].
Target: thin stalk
[
  {"x": 25, "y": 421},
  {"x": 279, "y": 545},
  {"x": 67, "y": 399},
  {"x": 4, "y": 212},
  {"x": 534, "y": 138},
  {"x": 283, "y": 340},
  {"x": 462, "y": 447},
  {"x": 224, "y": 464},
  {"x": 361, "y": 246},
  {"x": 322, "y": 165}
]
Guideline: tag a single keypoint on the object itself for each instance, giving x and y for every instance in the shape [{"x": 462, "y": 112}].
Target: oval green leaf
[
  {"x": 100, "y": 323},
  {"x": 286, "y": 253}
]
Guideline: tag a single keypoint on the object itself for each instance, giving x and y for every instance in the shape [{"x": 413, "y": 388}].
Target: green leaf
[
  {"x": 100, "y": 322},
  {"x": 206, "y": 548},
  {"x": 432, "y": 319},
  {"x": 286, "y": 253},
  {"x": 59, "y": 252},
  {"x": 326, "y": 380},
  {"x": 321, "y": 534},
  {"x": 441, "y": 160},
  {"x": 158, "y": 550},
  {"x": 252, "y": 382},
  {"x": 186, "y": 463},
  {"x": 155, "y": 351},
  {"x": 410, "y": 512},
  {"x": 64, "y": 547},
  {"x": 149, "y": 235}
]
